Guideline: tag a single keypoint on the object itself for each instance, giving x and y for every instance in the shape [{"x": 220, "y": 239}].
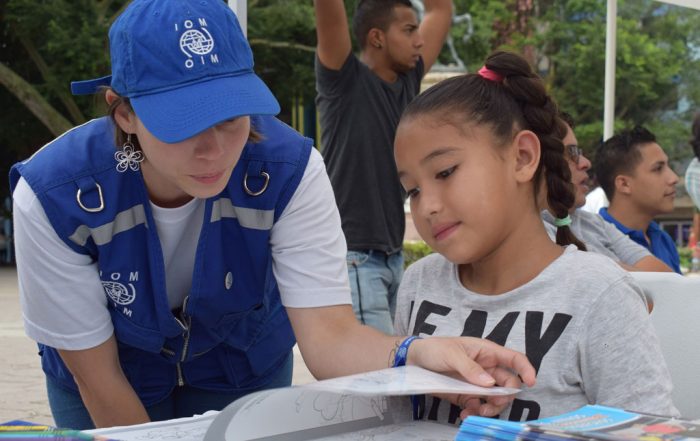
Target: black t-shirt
[{"x": 359, "y": 113}]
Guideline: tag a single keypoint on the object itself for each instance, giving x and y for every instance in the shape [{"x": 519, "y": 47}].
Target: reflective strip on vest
[
  {"x": 103, "y": 234},
  {"x": 247, "y": 217}
]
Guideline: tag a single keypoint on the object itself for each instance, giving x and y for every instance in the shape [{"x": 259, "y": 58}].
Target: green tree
[
  {"x": 658, "y": 71},
  {"x": 495, "y": 24},
  {"x": 656, "y": 65},
  {"x": 282, "y": 34},
  {"x": 61, "y": 40},
  {"x": 48, "y": 43}
]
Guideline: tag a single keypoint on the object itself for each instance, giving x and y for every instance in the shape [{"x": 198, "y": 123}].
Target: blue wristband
[{"x": 402, "y": 351}]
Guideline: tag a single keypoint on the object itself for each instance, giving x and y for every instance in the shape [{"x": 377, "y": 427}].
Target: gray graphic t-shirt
[
  {"x": 600, "y": 236},
  {"x": 582, "y": 322}
]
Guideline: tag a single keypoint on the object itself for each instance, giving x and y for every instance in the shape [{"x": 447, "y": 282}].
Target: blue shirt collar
[
  {"x": 651, "y": 229},
  {"x": 662, "y": 245},
  {"x": 608, "y": 217}
]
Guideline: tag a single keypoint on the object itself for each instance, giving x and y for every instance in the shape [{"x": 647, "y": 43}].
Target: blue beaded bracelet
[{"x": 402, "y": 351}]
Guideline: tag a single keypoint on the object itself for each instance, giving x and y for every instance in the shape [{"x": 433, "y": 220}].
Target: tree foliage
[
  {"x": 656, "y": 66},
  {"x": 48, "y": 43},
  {"x": 282, "y": 34},
  {"x": 63, "y": 40}
]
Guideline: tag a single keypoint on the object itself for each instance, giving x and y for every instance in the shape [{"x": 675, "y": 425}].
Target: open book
[
  {"x": 592, "y": 422},
  {"x": 355, "y": 407}
]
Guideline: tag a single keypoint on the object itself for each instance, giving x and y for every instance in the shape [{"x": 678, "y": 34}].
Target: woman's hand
[
  {"x": 478, "y": 361},
  {"x": 487, "y": 406},
  {"x": 106, "y": 393}
]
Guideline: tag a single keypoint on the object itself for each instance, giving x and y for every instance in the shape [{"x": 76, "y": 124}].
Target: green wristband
[{"x": 562, "y": 221}]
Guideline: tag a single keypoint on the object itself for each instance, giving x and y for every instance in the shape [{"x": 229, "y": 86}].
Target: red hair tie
[{"x": 490, "y": 75}]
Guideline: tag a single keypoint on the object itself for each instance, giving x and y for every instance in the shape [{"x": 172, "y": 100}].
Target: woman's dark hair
[
  {"x": 695, "y": 140},
  {"x": 120, "y": 136},
  {"x": 517, "y": 101},
  {"x": 567, "y": 118}
]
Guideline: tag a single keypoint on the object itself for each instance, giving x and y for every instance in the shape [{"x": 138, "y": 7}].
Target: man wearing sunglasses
[{"x": 598, "y": 235}]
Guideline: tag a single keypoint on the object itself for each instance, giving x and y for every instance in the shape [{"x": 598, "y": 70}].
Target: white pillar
[
  {"x": 610, "y": 54},
  {"x": 240, "y": 8}
]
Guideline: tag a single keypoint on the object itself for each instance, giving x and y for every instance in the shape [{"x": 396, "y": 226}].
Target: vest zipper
[
  {"x": 180, "y": 379},
  {"x": 186, "y": 327}
]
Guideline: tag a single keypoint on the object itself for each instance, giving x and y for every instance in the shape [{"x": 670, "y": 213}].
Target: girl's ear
[
  {"x": 527, "y": 152},
  {"x": 123, "y": 115}
]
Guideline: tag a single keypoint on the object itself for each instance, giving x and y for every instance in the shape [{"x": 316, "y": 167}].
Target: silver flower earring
[{"x": 128, "y": 156}]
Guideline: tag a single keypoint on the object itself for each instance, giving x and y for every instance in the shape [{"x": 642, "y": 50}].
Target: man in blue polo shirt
[{"x": 634, "y": 172}]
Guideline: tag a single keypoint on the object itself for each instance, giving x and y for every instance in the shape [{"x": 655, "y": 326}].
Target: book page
[
  {"x": 405, "y": 380},
  {"x": 298, "y": 413},
  {"x": 180, "y": 429},
  {"x": 607, "y": 423},
  {"x": 353, "y": 407},
  {"x": 409, "y": 430},
  {"x": 345, "y": 405}
]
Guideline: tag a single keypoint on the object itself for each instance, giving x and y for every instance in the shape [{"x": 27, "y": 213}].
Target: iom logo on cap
[{"x": 196, "y": 43}]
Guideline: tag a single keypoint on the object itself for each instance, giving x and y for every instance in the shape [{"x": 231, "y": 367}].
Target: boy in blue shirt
[{"x": 634, "y": 172}]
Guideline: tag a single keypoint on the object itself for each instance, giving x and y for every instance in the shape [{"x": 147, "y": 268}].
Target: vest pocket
[
  {"x": 131, "y": 334},
  {"x": 151, "y": 376},
  {"x": 251, "y": 363}
]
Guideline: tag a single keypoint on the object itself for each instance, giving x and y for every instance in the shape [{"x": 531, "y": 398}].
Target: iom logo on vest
[
  {"x": 121, "y": 293},
  {"x": 196, "y": 43}
]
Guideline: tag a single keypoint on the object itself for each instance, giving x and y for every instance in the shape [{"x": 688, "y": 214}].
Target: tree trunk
[
  {"x": 33, "y": 100},
  {"x": 49, "y": 79}
]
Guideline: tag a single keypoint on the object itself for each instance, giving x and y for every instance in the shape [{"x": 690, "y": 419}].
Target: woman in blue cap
[{"x": 169, "y": 254}]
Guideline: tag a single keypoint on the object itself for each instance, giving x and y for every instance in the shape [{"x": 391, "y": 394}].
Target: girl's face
[
  {"x": 199, "y": 166},
  {"x": 464, "y": 188}
]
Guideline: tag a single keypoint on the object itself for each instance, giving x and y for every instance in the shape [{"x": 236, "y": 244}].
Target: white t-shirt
[
  {"x": 582, "y": 322},
  {"x": 595, "y": 200},
  {"x": 63, "y": 302},
  {"x": 599, "y": 236},
  {"x": 692, "y": 181}
]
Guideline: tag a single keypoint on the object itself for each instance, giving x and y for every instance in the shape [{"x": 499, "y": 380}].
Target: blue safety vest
[{"x": 232, "y": 331}]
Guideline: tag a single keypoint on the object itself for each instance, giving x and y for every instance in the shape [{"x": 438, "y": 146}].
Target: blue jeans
[
  {"x": 69, "y": 411},
  {"x": 374, "y": 280}
]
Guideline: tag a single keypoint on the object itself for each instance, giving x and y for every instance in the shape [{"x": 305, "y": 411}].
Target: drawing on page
[
  {"x": 405, "y": 380},
  {"x": 341, "y": 408},
  {"x": 407, "y": 431},
  {"x": 181, "y": 433}
]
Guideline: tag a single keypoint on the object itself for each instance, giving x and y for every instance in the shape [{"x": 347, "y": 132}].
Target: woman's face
[
  {"x": 579, "y": 169},
  {"x": 199, "y": 166}
]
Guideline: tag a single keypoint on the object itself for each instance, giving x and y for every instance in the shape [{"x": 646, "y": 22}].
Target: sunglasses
[{"x": 574, "y": 152}]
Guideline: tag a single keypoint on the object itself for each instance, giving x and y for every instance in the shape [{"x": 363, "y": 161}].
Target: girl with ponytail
[{"x": 472, "y": 153}]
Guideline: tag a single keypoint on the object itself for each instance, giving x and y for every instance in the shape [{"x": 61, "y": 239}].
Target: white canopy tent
[
  {"x": 241, "y": 9},
  {"x": 695, "y": 4},
  {"x": 610, "y": 53}
]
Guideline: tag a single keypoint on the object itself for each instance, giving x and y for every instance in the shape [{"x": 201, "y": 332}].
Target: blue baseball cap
[{"x": 185, "y": 65}]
